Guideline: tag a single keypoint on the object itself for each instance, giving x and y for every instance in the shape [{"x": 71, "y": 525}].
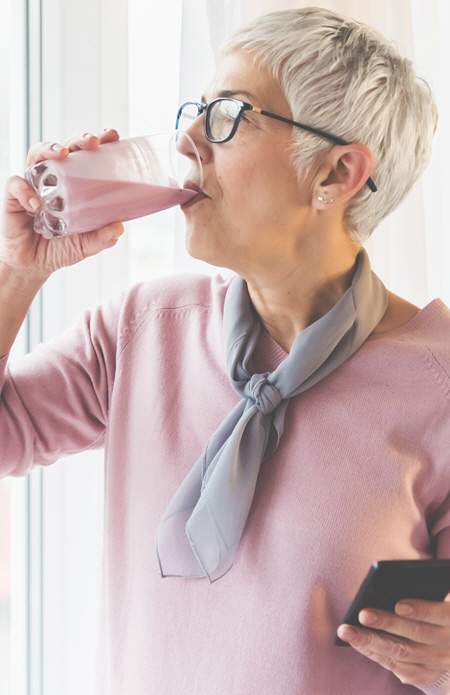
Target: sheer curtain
[{"x": 410, "y": 249}]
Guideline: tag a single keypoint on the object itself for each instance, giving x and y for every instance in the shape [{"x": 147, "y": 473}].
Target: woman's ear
[
  {"x": 344, "y": 172},
  {"x": 354, "y": 165}
]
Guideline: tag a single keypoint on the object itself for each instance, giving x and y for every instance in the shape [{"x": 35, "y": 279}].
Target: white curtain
[{"x": 410, "y": 249}]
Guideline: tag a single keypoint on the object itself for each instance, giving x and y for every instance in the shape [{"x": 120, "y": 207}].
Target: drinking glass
[{"x": 118, "y": 181}]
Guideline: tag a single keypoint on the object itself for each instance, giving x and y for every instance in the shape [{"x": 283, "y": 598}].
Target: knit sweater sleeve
[
  {"x": 54, "y": 400},
  {"x": 442, "y": 685},
  {"x": 440, "y": 526}
]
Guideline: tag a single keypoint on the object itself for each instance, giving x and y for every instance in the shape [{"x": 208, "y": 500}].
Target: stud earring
[{"x": 325, "y": 199}]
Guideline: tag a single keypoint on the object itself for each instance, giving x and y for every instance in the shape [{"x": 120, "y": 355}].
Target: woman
[{"x": 277, "y": 431}]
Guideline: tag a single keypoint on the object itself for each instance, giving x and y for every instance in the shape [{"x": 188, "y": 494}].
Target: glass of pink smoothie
[{"x": 118, "y": 181}]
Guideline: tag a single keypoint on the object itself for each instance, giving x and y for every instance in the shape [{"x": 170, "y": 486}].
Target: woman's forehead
[
  {"x": 239, "y": 64},
  {"x": 237, "y": 75}
]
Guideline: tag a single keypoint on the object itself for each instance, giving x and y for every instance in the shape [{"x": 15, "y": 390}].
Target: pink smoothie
[{"x": 94, "y": 203}]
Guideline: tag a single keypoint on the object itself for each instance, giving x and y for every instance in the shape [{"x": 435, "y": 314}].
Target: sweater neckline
[
  {"x": 276, "y": 353},
  {"x": 421, "y": 317}
]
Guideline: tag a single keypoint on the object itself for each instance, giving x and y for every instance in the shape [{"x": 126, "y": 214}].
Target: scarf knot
[{"x": 263, "y": 392}]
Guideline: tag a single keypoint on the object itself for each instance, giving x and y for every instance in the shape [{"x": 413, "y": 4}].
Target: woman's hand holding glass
[{"x": 29, "y": 253}]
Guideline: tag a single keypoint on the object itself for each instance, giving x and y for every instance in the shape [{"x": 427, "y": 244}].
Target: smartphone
[{"x": 388, "y": 581}]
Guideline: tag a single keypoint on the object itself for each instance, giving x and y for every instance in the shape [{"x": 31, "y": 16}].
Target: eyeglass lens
[{"x": 222, "y": 115}]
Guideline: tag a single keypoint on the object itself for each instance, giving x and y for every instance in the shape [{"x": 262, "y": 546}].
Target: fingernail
[
  {"x": 116, "y": 231},
  {"x": 405, "y": 609},
  {"x": 56, "y": 147},
  {"x": 34, "y": 203},
  {"x": 347, "y": 633},
  {"x": 369, "y": 617},
  {"x": 87, "y": 135}
]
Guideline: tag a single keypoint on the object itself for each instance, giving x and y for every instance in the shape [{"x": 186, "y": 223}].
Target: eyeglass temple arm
[{"x": 316, "y": 131}]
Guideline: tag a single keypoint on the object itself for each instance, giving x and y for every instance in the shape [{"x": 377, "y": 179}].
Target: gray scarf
[{"x": 200, "y": 531}]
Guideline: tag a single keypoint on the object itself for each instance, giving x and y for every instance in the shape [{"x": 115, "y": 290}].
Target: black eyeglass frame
[{"x": 246, "y": 106}]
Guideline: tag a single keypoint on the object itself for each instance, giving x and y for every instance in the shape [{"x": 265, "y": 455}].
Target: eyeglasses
[{"x": 224, "y": 114}]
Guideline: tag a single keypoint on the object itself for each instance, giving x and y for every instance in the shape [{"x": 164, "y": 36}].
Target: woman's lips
[
  {"x": 191, "y": 185},
  {"x": 195, "y": 199}
]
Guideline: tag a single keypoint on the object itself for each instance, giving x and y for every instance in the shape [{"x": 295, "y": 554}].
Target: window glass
[{"x": 5, "y": 512}]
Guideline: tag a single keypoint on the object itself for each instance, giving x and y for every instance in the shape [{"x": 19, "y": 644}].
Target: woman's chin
[{"x": 198, "y": 245}]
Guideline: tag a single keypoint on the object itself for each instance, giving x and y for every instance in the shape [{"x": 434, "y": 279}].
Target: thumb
[{"x": 100, "y": 239}]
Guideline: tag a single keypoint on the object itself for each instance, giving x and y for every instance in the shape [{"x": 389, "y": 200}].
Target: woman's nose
[
  {"x": 186, "y": 146},
  {"x": 185, "y": 142},
  {"x": 190, "y": 143}
]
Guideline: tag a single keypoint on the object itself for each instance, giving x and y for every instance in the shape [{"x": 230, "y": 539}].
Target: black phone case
[{"x": 388, "y": 581}]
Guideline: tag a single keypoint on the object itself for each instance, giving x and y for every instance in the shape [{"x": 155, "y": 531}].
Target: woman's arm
[
  {"x": 17, "y": 291},
  {"x": 55, "y": 400}
]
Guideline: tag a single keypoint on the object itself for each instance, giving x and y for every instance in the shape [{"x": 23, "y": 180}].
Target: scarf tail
[{"x": 191, "y": 535}]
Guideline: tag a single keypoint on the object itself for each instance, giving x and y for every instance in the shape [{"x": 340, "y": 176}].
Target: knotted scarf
[{"x": 200, "y": 531}]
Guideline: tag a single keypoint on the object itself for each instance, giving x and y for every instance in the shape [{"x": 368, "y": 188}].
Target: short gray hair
[{"x": 345, "y": 77}]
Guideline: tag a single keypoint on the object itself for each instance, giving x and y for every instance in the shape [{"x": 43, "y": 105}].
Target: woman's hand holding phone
[{"x": 414, "y": 645}]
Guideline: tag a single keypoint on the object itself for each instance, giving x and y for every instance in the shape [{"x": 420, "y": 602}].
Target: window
[
  {"x": 107, "y": 80},
  {"x": 11, "y": 133}
]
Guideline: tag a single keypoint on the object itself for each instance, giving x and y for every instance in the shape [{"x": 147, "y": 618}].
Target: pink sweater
[{"x": 361, "y": 474}]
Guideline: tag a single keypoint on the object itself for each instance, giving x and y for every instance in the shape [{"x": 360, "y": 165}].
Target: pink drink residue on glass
[{"x": 94, "y": 203}]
